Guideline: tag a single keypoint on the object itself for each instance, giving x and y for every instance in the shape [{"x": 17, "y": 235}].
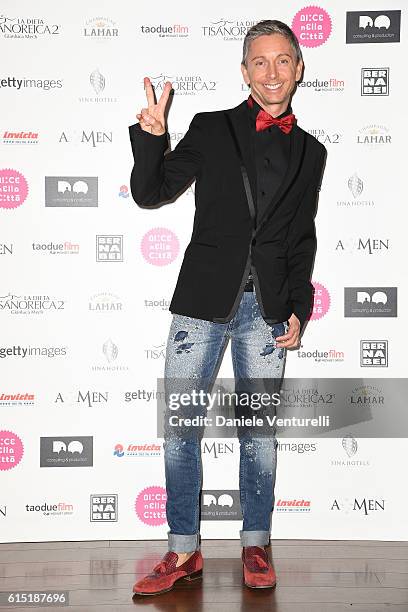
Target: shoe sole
[{"x": 189, "y": 578}]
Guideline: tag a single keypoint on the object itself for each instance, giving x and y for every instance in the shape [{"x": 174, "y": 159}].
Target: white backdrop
[{"x": 83, "y": 333}]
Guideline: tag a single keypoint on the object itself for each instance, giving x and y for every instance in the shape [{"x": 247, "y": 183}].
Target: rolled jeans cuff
[
  {"x": 182, "y": 543},
  {"x": 254, "y": 538}
]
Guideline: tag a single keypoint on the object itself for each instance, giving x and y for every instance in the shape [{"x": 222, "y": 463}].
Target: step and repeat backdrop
[{"x": 87, "y": 275}]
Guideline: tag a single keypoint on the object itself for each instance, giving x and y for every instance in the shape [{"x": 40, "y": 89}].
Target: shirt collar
[{"x": 256, "y": 108}]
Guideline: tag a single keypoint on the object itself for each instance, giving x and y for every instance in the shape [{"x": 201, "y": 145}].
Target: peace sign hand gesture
[{"x": 152, "y": 119}]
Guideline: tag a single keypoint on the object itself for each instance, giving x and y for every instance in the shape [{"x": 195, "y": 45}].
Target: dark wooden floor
[{"x": 313, "y": 576}]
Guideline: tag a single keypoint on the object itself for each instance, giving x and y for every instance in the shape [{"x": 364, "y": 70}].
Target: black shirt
[{"x": 271, "y": 149}]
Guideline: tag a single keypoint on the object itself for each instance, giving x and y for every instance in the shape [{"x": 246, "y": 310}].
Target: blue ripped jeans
[{"x": 195, "y": 350}]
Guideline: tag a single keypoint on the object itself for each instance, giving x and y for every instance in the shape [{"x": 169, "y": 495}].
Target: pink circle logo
[
  {"x": 321, "y": 303},
  {"x": 160, "y": 246},
  {"x": 312, "y": 26},
  {"x": 11, "y": 450},
  {"x": 13, "y": 188},
  {"x": 150, "y": 506}
]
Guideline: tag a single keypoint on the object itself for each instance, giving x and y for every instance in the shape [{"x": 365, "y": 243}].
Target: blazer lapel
[
  {"x": 240, "y": 121},
  {"x": 296, "y": 152}
]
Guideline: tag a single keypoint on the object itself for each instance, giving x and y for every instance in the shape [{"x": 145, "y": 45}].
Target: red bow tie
[{"x": 265, "y": 120}]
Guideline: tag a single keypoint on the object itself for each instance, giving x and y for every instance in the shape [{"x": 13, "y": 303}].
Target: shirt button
[{"x": 266, "y": 161}]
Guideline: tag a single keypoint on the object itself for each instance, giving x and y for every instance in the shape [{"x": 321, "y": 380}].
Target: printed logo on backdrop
[
  {"x": 110, "y": 351},
  {"x": 374, "y": 353},
  {"x": 225, "y": 29},
  {"x": 123, "y": 191},
  {"x": 300, "y": 448},
  {"x": 105, "y": 302},
  {"x": 362, "y": 505},
  {"x": 373, "y": 26},
  {"x": 366, "y": 395},
  {"x": 66, "y": 451},
  {"x": 137, "y": 450},
  {"x": 318, "y": 85},
  {"x": 30, "y": 83},
  {"x": 326, "y": 137},
  {"x": 6, "y": 249},
  {"x": 217, "y": 450},
  {"x": 56, "y": 248},
  {"x": 375, "y": 81},
  {"x": 331, "y": 355},
  {"x": 51, "y": 509},
  {"x": 142, "y": 395},
  {"x": 159, "y": 246},
  {"x": 370, "y": 301},
  {"x": 29, "y": 304},
  {"x": 109, "y": 248},
  {"x": 13, "y": 188},
  {"x": 27, "y": 27},
  {"x": 71, "y": 191},
  {"x": 220, "y": 505},
  {"x": 367, "y": 246},
  {"x": 11, "y": 450},
  {"x": 96, "y": 87},
  {"x": 104, "y": 508},
  {"x": 101, "y": 29},
  {"x": 292, "y": 505},
  {"x": 184, "y": 84},
  {"x": 92, "y": 138},
  {"x": 355, "y": 185},
  {"x": 312, "y": 26},
  {"x": 3, "y": 511},
  {"x": 162, "y": 304},
  {"x": 176, "y": 30},
  {"x": 349, "y": 446},
  {"x": 90, "y": 398},
  {"x": 16, "y": 399},
  {"x": 159, "y": 351},
  {"x": 32, "y": 351},
  {"x": 19, "y": 138},
  {"x": 321, "y": 301},
  {"x": 150, "y": 506},
  {"x": 374, "y": 136}
]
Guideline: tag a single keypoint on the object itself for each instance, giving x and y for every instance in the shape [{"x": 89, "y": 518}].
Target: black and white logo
[
  {"x": 71, "y": 191},
  {"x": 220, "y": 505},
  {"x": 374, "y": 353},
  {"x": 109, "y": 248},
  {"x": 104, "y": 508},
  {"x": 370, "y": 301},
  {"x": 375, "y": 81},
  {"x": 373, "y": 26},
  {"x": 65, "y": 451}
]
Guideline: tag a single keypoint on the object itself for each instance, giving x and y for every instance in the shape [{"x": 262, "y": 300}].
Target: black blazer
[{"x": 224, "y": 239}]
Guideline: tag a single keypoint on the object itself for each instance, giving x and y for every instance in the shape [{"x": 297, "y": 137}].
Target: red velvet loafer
[
  {"x": 258, "y": 571},
  {"x": 165, "y": 574}
]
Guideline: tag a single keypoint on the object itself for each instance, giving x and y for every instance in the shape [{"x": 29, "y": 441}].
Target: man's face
[{"x": 271, "y": 70}]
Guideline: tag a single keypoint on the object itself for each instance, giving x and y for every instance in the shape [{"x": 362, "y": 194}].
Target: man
[{"x": 245, "y": 274}]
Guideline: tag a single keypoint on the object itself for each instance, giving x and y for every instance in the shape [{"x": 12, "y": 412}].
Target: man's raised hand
[{"x": 152, "y": 119}]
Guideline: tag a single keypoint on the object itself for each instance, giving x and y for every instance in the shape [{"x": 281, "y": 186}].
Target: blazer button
[{"x": 253, "y": 241}]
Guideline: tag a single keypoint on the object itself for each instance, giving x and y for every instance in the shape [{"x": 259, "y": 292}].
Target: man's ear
[
  {"x": 245, "y": 73},
  {"x": 299, "y": 69}
]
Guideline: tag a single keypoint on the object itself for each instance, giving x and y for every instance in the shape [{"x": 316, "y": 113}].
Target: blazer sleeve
[
  {"x": 302, "y": 244},
  {"x": 156, "y": 177}
]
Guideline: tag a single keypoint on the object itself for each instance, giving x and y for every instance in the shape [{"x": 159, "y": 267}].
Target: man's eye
[{"x": 258, "y": 63}]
